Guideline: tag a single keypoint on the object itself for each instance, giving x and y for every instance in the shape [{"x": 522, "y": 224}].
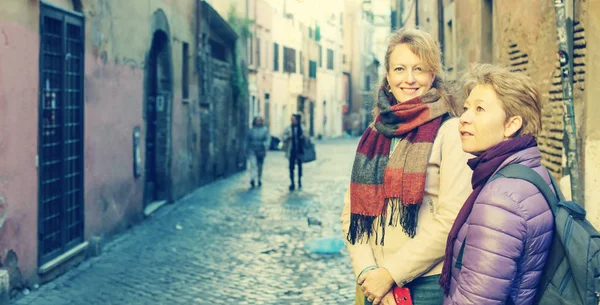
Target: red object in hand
[{"x": 402, "y": 296}]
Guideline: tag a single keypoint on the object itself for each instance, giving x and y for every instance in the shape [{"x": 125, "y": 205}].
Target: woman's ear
[{"x": 513, "y": 125}]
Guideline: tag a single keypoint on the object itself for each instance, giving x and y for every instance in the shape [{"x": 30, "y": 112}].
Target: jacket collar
[{"x": 530, "y": 157}]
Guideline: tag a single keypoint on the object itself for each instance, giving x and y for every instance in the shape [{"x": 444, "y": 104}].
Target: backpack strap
[{"x": 519, "y": 171}]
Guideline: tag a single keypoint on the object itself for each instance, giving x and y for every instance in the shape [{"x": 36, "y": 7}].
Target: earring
[{"x": 390, "y": 89}]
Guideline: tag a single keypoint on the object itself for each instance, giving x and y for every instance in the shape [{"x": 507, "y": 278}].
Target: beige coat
[{"x": 447, "y": 186}]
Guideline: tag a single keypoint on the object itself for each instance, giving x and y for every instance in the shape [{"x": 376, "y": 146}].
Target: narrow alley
[{"x": 226, "y": 243}]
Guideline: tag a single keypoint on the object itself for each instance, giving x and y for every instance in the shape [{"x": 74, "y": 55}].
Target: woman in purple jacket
[{"x": 498, "y": 245}]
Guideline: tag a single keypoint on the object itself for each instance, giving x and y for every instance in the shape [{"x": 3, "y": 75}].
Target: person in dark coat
[
  {"x": 293, "y": 139},
  {"x": 504, "y": 230}
]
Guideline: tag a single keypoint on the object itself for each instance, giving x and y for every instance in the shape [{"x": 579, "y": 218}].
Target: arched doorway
[{"x": 159, "y": 92}]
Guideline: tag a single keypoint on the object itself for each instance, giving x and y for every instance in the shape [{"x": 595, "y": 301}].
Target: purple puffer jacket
[{"x": 508, "y": 236}]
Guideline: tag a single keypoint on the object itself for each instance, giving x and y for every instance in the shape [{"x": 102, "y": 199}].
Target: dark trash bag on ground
[
  {"x": 572, "y": 271},
  {"x": 308, "y": 154}
]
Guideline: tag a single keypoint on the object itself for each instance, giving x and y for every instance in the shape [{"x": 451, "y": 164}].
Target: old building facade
[
  {"x": 523, "y": 37},
  {"x": 361, "y": 63},
  {"x": 108, "y": 112}
]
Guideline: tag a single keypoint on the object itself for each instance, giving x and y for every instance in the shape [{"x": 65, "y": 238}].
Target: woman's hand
[
  {"x": 388, "y": 299},
  {"x": 375, "y": 284}
]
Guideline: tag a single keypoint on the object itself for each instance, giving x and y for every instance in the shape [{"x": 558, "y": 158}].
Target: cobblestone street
[{"x": 227, "y": 244}]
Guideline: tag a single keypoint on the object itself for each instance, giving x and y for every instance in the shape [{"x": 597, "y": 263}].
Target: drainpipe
[
  {"x": 564, "y": 27},
  {"x": 441, "y": 27},
  {"x": 197, "y": 30},
  {"x": 416, "y": 13}
]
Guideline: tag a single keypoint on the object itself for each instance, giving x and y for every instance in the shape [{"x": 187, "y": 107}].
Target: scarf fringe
[
  {"x": 447, "y": 268},
  {"x": 404, "y": 215},
  {"x": 359, "y": 226}
]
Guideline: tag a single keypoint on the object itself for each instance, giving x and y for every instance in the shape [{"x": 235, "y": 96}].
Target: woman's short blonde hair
[{"x": 517, "y": 92}]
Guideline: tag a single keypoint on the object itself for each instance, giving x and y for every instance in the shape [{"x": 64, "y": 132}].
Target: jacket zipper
[
  {"x": 564, "y": 282},
  {"x": 569, "y": 275},
  {"x": 568, "y": 231}
]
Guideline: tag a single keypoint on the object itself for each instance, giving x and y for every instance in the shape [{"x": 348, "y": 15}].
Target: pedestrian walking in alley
[
  {"x": 409, "y": 177},
  {"x": 257, "y": 142},
  {"x": 499, "y": 243},
  {"x": 293, "y": 140}
]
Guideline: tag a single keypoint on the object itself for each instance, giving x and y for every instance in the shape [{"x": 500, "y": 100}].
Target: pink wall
[
  {"x": 113, "y": 106},
  {"x": 18, "y": 143},
  {"x": 114, "y": 97}
]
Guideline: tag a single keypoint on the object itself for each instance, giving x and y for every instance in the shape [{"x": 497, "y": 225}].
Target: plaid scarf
[{"x": 379, "y": 179}]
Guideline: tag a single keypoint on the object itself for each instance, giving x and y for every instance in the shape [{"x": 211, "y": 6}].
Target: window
[
  {"x": 257, "y": 52},
  {"x": 449, "y": 46},
  {"x": 487, "y": 31},
  {"x": 367, "y": 82},
  {"x": 317, "y": 33},
  {"x": 320, "y": 57},
  {"x": 185, "y": 80},
  {"x": 330, "y": 59},
  {"x": 301, "y": 64},
  {"x": 289, "y": 60},
  {"x": 275, "y": 57},
  {"x": 312, "y": 69},
  {"x": 218, "y": 50},
  {"x": 250, "y": 52}
]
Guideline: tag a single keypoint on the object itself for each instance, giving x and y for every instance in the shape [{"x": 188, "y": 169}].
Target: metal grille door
[{"x": 61, "y": 199}]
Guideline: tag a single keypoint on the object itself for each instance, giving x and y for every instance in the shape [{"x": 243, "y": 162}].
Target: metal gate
[{"x": 61, "y": 118}]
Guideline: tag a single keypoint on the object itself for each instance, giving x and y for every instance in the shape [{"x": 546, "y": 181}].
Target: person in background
[
  {"x": 409, "y": 177},
  {"x": 257, "y": 142},
  {"x": 503, "y": 232},
  {"x": 293, "y": 138}
]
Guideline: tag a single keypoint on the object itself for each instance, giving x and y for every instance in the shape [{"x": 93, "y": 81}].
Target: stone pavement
[{"x": 227, "y": 244}]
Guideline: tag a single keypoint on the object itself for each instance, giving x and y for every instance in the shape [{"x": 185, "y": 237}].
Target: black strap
[
  {"x": 459, "y": 258},
  {"x": 523, "y": 172}
]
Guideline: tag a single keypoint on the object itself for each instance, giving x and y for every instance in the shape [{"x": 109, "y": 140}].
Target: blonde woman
[
  {"x": 409, "y": 177},
  {"x": 257, "y": 142}
]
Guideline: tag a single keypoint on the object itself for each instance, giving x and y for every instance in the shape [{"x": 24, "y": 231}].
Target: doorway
[{"x": 158, "y": 120}]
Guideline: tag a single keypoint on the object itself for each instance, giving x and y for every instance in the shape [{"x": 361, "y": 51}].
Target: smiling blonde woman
[{"x": 409, "y": 177}]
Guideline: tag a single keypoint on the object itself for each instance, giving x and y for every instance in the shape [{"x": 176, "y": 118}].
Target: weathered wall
[
  {"x": 115, "y": 65},
  {"x": 524, "y": 40},
  {"x": 590, "y": 19},
  {"x": 19, "y": 44},
  {"x": 118, "y": 38},
  {"x": 114, "y": 79},
  {"x": 524, "y": 36}
]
